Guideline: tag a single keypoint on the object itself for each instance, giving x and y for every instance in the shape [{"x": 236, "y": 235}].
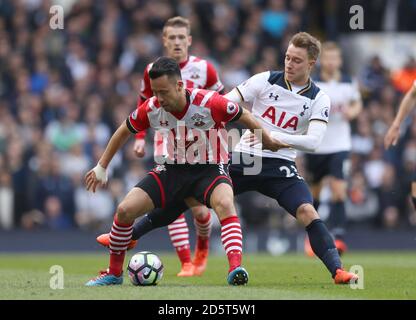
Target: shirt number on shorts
[{"x": 290, "y": 172}]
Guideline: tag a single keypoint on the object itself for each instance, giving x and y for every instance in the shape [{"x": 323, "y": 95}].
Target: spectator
[{"x": 62, "y": 93}]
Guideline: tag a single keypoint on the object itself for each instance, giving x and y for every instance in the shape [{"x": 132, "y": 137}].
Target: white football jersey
[
  {"x": 277, "y": 108},
  {"x": 338, "y": 133}
]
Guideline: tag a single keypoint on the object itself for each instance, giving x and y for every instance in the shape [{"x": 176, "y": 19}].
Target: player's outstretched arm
[
  {"x": 268, "y": 142},
  {"x": 234, "y": 96},
  {"x": 98, "y": 175},
  {"x": 408, "y": 102},
  {"x": 308, "y": 142}
]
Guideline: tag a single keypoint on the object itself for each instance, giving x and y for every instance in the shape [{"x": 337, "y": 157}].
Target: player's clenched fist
[
  {"x": 97, "y": 175},
  {"x": 139, "y": 148}
]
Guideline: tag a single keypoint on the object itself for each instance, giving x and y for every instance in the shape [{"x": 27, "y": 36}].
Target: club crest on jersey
[
  {"x": 304, "y": 110},
  {"x": 231, "y": 107},
  {"x": 280, "y": 120},
  {"x": 272, "y": 96},
  {"x": 197, "y": 118},
  {"x": 325, "y": 112},
  {"x": 195, "y": 76},
  {"x": 194, "y": 73},
  {"x": 159, "y": 168}
]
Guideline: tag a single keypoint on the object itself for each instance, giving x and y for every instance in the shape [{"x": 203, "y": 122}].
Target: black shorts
[
  {"x": 169, "y": 183},
  {"x": 278, "y": 179},
  {"x": 331, "y": 164}
]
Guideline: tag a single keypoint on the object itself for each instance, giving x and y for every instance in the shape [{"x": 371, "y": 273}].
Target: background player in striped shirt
[
  {"x": 331, "y": 159},
  {"x": 173, "y": 110},
  {"x": 196, "y": 73}
]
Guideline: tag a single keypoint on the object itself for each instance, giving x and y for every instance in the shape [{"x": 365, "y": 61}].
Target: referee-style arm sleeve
[{"x": 308, "y": 142}]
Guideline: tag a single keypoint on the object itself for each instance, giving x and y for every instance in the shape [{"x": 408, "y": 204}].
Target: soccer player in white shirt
[
  {"x": 296, "y": 112},
  {"x": 393, "y": 134},
  {"x": 331, "y": 158}
]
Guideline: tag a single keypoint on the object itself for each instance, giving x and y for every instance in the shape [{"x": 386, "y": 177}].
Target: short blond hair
[
  {"x": 308, "y": 42},
  {"x": 178, "y": 22},
  {"x": 330, "y": 45}
]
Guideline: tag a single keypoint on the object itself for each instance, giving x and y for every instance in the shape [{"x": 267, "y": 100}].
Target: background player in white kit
[
  {"x": 296, "y": 112},
  {"x": 331, "y": 158},
  {"x": 393, "y": 134},
  {"x": 196, "y": 73}
]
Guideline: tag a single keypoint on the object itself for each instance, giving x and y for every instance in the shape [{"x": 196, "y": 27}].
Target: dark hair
[{"x": 165, "y": 66}]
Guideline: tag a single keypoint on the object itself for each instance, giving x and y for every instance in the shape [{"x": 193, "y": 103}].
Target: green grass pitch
[{"x": 387, "y": 275}]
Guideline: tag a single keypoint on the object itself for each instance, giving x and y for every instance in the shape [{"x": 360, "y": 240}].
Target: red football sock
[
  {"x": 120, "y": 237},
  {"x": 232, "y": 240},
  {"x": 179, "y": 236},
  {"x": 203, "y": 231}
]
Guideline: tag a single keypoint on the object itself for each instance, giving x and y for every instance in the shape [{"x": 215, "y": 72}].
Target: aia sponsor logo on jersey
[
  {"x": 283, "y": 121},
  {"x": 198, "y": 120}
]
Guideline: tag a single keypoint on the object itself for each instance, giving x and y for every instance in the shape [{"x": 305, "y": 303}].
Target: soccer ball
[{"x": 145, "y": 269}]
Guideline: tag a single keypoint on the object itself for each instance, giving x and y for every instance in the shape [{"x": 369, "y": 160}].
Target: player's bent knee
[
  {"x": 339, "y": 191},
  {"x": 223, "y": 206},
  {"x": 306, "y": 213},
  {"x": 123, "y": 215},
  {"x": 200, "y": 212}
]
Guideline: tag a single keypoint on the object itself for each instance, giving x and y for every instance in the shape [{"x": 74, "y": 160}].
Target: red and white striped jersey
[
  {"x": 196, "y": 135},
  {"x": 196, "y": 73}
]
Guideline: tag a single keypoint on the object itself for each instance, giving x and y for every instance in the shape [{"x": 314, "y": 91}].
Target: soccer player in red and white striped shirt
[
  {"x": 176, "y": 111},
  {"x": 196, "y": 73}
]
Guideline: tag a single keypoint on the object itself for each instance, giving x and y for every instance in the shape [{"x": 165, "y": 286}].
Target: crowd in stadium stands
[{"x": 63, "y": 93}]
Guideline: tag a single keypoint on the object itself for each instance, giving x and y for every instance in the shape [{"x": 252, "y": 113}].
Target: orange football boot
[
  {"x": 104, "y": 240},
  {"x": 341, "y": 246},
  {"x": 187, "y": 270},
  {"x": 201, "y": 256},
  {"x": 345, "y": 277}
]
